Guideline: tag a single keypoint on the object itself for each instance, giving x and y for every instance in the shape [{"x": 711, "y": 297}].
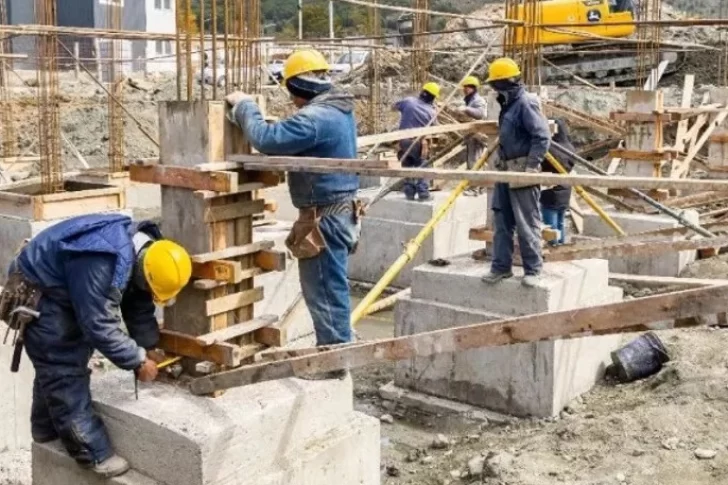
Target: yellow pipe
[
  {"x": 414, "y": 245},
  {"x": 385, "y": 303},
  {"x": 587, "y": 198}
]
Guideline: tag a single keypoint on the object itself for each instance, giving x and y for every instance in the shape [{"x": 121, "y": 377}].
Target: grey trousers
[
  {"x": 474, "y": 149},
  {"x": 517, "y": 211}
]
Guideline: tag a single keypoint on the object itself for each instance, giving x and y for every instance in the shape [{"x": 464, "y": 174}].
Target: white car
[{"x": 349, "y": 61}]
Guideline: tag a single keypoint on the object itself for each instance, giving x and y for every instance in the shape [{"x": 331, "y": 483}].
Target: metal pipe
[{"x": 660, "y": 207}]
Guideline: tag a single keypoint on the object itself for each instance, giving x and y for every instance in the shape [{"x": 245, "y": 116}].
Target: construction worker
[
  {"x": 84, "y": 275},
  {"x": 555, "y": 200},
  {"x": 327, "y": 229},
  {"x": 416, "y": 112},
  {"x": 476, "y": 108},
  {"x": 524, "y": 142}
]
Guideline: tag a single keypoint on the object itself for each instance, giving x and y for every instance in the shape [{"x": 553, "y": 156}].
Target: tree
[{"x": 186, "y": 24}]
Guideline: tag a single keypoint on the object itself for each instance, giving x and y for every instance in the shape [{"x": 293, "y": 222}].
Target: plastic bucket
[{"x": 640, "y": 358}]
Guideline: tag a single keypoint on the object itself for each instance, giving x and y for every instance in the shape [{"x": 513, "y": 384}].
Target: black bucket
[{"x": 640, "y": 358}]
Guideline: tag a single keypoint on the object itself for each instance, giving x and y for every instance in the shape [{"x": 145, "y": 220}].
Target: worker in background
[
  {"x": 475, "y": 107},
  {"x": 84, "y": 276},
  {"x": 327, "y": 230},
  {"x": 555, "y": 200},
  {"x": 524, "y": 142},
  {"x": 416, "y": 112}
]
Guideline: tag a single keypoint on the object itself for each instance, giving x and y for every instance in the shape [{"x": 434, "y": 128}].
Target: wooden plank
[
  {"x": 236, "y": 330},
  {"x": 232, "y": 252},
  {"x": 223, "y": 271},
  {"x": 721, "y": 137},
  {"x": 187, "y": 346},
  {"x": 686, "y": 101},
  {"x": 211, "y": 284},
  {"x": 234, "y": 211},
  {"x": 231, "y": 302},
  {"x": 242, "y": 188},
  {"x": 483, "y": 127},
  {"x": 69, "y": 204},
  {"x": 217, "y": 166},
  {"x": 643, "y": 117},
  {"x": 270, "y": 260},
  {"x": 271, "y": 336},
  {"x": 653, "y": 156},
  {"x": 486, "y": 177},
  {"x": 657, "y": 281},
  {"x": 305, "y": 161},
  {"x": 612, "y": 318},
  {"x": 715, "y": 123},
  {"x": 184, "y": 177}
]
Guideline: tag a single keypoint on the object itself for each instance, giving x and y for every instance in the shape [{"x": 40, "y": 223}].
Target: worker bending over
[
  {"x": 84, "y": 275},
  {"x": 327, "y": 229},
  {"x": 555, "y": 200},
  {"x": 416, "y": 112},
  {"x": 476, "y": 108},
  {"x": 524, "y": 142}
]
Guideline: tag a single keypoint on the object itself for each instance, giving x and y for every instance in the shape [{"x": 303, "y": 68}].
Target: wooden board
[
  {"x": 232, "y": 252},
  {"x": 304, "y": 161},
  {"x": 270, "y": 260},
  {"x": 234, "y": 211},
  {"x": 234, "y": 301},
  {"x": 619, "y": 317},
  {"x": 237, "y": 277},
  {"x": 221, "y": 271},
  {"x": 271, "y": 336},
  {"x": 237, "y": 330},
  {"x": 183, "y": 177},
  {"x": 636, "y": 155},
  {"x": 64, "y": 204},
  {"x": 482, "y": 127},
  {"x": 187, "y": 346},
  {"x": 483, "y": 178}
]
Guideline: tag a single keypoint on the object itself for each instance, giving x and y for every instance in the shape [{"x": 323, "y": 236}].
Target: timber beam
[{"x": 626, "y": 316}]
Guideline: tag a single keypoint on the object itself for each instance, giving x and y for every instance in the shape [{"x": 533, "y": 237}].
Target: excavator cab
[{"x": 600, "y": 13}]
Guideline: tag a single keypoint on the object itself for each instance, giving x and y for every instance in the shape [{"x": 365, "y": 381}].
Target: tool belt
[
  {"x": 18, "y": 292},
  {"x": 515, "y": 165},
  {"x": 306, "y": 239}
]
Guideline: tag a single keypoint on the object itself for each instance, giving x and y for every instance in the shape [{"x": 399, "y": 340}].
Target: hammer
[{"x": 24, "y": 315}]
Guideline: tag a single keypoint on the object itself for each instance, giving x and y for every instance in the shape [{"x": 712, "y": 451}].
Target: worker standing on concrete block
[
  {"x": 327, "y": 230},
  {"x": 416, "y": 112},
  {"x": 83, "y": 276},
  {"x": 555, "y": 200},
  {"x": 524, "y": 142}
]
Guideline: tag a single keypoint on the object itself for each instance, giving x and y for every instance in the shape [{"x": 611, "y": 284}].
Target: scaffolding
[
  {"x": 421, "y": 55},
  {"x": 115, "y": 79},
  {"x": 375, "y": 78},
  {"x": 8, "y": 141}
]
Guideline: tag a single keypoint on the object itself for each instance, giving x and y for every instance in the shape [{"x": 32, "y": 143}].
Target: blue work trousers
[
  {"x": 414, "y": 159},
  {"x": 555, "y": 219},
  {"x": 324, "y": 280},
  {"x": 61, "y": 390},
  {"x": 517, "y": 211}
]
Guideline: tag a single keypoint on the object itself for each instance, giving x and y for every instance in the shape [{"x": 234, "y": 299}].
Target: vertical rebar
[
  {"x": 178, "y": 45},
  {"x": 115, "y": 80},
  {"x": 8, "y": 140},
  {"x": 375, "y": 80},
  {"x": 420, "y": 44},
  {"x": 51, "y": 172},
  {"x": 213, "y": 31},
  {"x": 188, "y": 44}
]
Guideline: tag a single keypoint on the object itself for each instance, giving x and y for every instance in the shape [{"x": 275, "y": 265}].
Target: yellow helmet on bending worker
[
  {"x": 502, "y": 69},
  {"x": 167, "y": 268}
]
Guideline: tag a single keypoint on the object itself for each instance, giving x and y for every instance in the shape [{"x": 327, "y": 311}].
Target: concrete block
[
  {"x": 16, "y": 392},
  {"x": 665, "y": 264},
  {"x": 534, "y": 379},
  {"x": 393, "y": 221},
  {"x": 244, "y": 436},
  {"x": 144, "y": 200},
  {"x": 563, "y": 285}
]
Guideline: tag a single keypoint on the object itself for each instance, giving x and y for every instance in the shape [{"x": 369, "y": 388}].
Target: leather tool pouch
[
  {"x": 305, "y": 239},
  {"x": 18, "y": 292},
  {"x": 519, "y": 165}
]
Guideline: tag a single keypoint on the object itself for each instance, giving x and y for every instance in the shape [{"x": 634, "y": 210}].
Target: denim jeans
[
  {"x": 324, "y": 280},
  {"x": 412, "y": 186},
  {"x": 555, "y": 219},
  {"x": 517, "y": 211}
]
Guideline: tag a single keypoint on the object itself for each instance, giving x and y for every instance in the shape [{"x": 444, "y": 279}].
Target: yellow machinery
[{"x": 597, "y": 12}]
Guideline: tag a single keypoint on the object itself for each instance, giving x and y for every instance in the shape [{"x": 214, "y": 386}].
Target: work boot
[
  {"x": 493, "y": 277},
  {"x": 111, "y": 467},
  {"x": 530, "y": 280},
  {"x": 424, "y": 196}
]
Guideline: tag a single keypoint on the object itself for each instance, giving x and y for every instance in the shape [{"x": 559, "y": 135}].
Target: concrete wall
[{"x": 16, "y": 392}]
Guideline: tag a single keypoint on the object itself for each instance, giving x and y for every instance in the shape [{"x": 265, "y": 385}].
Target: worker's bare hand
[
  {"x": 156, "y": 355},
  {"x": 238, "y": 96},
  {"x": 148, "y": 371}
]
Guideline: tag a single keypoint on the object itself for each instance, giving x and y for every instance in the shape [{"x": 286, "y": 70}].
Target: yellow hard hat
[
  {"x": 503, "y": 68},
  {"x": 167, "y": 269},
  {"x": 304, "y": 61},
  {"x": 471, "y": 81},
  {"x": 432, "y": 88}
]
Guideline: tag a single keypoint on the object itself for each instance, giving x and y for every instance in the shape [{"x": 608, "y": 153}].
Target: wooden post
[
  {"x": 644, "y": 136},
  {"x": 77, "y": 56}
]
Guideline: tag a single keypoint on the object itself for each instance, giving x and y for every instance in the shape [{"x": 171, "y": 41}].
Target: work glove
[
  {"x": 533, "y": 169},
  {"x": 234, "y": 98},
  {"x": 147, "y": 371}
]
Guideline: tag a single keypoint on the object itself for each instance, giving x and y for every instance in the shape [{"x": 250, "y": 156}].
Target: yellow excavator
[{"x": 592, "y": 55}]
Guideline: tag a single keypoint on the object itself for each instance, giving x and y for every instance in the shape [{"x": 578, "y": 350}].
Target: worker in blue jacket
[
  {"x": 327, "y": 229},
  {"x": 84, "y": 276},
  {"x": 524, "y": 141}
]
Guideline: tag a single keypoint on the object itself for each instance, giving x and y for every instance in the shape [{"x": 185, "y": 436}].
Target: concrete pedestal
[
  {"x": 284, "y": 432},
  {"x": 536, "y": 379},
  {"x": 16, "y": 391},
  {"x": 665, "y": 264},
  {"x": 393, "y": 221}
]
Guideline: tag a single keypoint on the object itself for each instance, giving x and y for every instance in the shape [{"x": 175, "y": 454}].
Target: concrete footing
[
  {"x": 665, "y": 264},
  {"x": 394, "y": 221},
  {"x": 275, "y": 433},
  {"x": 536, "y": 379}
]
